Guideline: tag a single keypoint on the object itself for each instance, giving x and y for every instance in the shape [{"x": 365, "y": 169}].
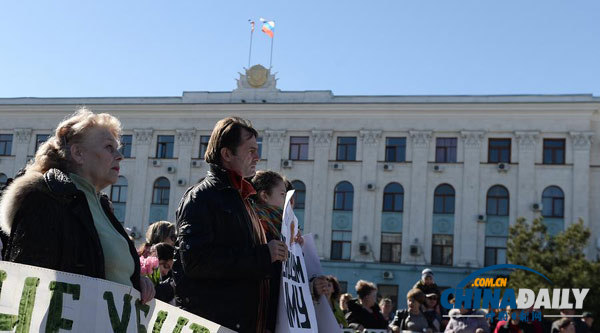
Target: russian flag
[{"x": 268, "y": 27}]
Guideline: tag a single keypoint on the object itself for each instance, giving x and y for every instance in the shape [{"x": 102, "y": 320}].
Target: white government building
[{"x": 388, "y": 185}]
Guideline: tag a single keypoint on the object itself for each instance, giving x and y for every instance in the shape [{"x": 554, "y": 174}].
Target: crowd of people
[{"x": 224, "y": 248}]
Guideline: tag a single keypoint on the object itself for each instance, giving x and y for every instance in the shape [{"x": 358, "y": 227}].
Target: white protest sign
[
  {"x": 34, "y": 299},
  {"x": 325, "y": 318},
  {"x": 295, "y": 311}
]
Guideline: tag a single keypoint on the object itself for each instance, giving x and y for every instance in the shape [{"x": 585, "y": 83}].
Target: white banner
[
  {"x": 325, "y": 318},
  {"x": 34, "y": 299},
  {"x": 296, "y": 312}
]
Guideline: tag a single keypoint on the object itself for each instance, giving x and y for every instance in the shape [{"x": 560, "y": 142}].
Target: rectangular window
[
  {"x": 164, "y": 146},
  {"x": 346, "y": 148},
  {"x": 495, "y": 251},
  {"x": 395, "y": 149},
  {"x": 259, "y": 141},
  {"x": 441, "y": 251},
  {"x": 126, "y": 144},
  {"x": 39, "y": 139},
  {"x": 391, "y": 247},
  {"x": 203, "y": 145},
  {"x": 499, "y": 151},
  {"x": 554, "y": 151},
  {"x": 299, "y": 148},
  {"x": 445, "y": 150},
  {"x": 118, "y": 193},
  {"x": 340, "y": 245},
  {"x": 6, "y": 144}
]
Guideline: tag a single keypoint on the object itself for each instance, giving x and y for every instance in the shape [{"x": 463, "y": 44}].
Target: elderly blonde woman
[{"x": 55, "y": 215}]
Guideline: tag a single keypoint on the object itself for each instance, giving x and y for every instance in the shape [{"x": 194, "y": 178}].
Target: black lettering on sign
[
  {"x": 292, "y": 269},
  {"x": 296, "y": 306},
  {"x": 55, "y": 321}
]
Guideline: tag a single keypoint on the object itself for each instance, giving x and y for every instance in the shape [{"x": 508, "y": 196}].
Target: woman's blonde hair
[{"x": 56, "y": 151}]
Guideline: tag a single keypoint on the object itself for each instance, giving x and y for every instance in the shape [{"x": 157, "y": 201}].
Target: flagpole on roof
[
  {"x": 251, "y": 34},
  {"x": 271, "y": 59}
]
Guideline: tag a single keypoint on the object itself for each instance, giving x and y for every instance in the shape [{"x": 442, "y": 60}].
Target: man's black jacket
[{"x": 220, "y": 268}]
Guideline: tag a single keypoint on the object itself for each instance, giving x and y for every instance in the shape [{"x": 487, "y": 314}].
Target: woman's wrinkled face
[
  {"x": 277, "y": 196},
  {"x": 98, "y": 157}
]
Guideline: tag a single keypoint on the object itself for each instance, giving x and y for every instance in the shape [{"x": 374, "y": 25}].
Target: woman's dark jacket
[
  {"x": 50, "y": 225},
  {"x": 358, "y": 315},
  {"x": 219, "y": 269}
]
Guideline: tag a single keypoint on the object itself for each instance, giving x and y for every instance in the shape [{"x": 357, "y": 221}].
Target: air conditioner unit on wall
[
  {"x": 286, "y": 164},
  {"x": 171, "y": 169},
  {"x": 181, "y": 182},
  {"x": 480, "y": 218},
  {"x": 337, "y": 166},
  {"x": 364, "y": 248},
  {"x": 155, "y": 163},
  {"x": 414, "y": 250},
  {"x": 503, "y": 167},
  {"x": 196, "y": 164},
  {"x": 388, "y": 275},
  {"x": 371, "y": 187},
  {"x": 388, "y": 167},
  {"x": 438, "y": 168},
  {"x": 537, "y": 207}
]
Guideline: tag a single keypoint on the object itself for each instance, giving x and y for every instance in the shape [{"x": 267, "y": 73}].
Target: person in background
[
  {"x": 223, "y": 256},
  {"x": 385, "y": 304},
  {"x": 333, "y": 296},
  {"x": 473, "y": 322},
  {"x": 158, "y": 232},
  {"x": 364, "y": 312},
  {"x": 588, "y": 319},
  {"x": 344, "y": 302},
  {"x": 563, "y": 325},
  {"x": 427, "y": 283},
  {"x": 432, "y": 312},
  {"x": 165, "y": 289},
  {"x": 55, "y": 215},
  {"x": 580, "y": 326},
  {"x": 268, "y": 203},
  {"x": 513, "y": 324},
  {"x": 412, "y": 318}
]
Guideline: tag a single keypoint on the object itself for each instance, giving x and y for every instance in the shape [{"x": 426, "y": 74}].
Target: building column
[
  {"x": 366, "y": 230},
  {"x": 138, "y": 210},
  {"x": 274, "y": 154},
  {"x": 414, "y": 232},
  {"x": 185, "y": 140},
  {"x": 526, "y": 194},
  {"x": 21, "y": 140},
  {"x": 467, "y": 231},
  {"x": 319, "y": 223},
  {"x": 581, "y": 143}
]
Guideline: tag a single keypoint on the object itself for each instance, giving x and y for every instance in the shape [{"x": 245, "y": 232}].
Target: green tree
[{"x": 561, "y": 258}]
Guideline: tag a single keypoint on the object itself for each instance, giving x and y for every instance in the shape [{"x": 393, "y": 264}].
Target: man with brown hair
[{"x": 223, "y": 253}]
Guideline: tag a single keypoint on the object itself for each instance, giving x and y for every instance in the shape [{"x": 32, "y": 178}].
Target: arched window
[
  {"x": 393, "y": 198},
  {"x": 118, "y": 192},
  {"x": 299, "y": 195},
  {"x": 497, "y": 201},
  {"x": 553, "y": 201},
  {"x": 3, "y": 179},
  {"x": 343, "y": 197},
  {"x": 160, "y": 192},
  {"x": 443, "y": 200}
]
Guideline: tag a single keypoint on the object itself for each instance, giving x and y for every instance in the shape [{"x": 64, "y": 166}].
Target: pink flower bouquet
[{"x": 149, "y": 268}]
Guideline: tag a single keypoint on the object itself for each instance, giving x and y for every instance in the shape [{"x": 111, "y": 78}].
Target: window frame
[
  {"x": 497, "y": 198},
  {"x": 498, "y": 150},
  {"x": 126, "y": 146},
  {"x": 160, "y": 145},
  {"x": 396, "y": 149},
  {"x": 6, "y": 143},
  {"x": 161, "y": 190},
  {"x": 553, "y": 151},
  {"x": 299, "y": 148},
  {"x": 446, "y": 150},
  {"x": 346, "y": 149}
]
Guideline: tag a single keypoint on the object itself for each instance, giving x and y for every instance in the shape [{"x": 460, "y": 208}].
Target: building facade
[{"x": 388, "y": 185}]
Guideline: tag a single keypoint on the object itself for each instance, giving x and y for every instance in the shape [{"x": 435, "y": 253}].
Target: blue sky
[{"x": 422, "y": 47}]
